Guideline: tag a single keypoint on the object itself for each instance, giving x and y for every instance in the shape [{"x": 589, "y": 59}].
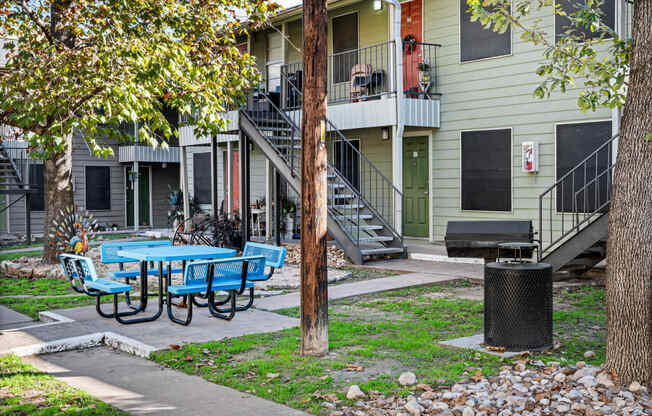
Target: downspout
[{"x": 399, "y": 127}]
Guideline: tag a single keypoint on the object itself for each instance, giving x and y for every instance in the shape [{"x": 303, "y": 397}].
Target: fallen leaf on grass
[
  {"x": 272, "y": 376},
  {"x": 353, "y": 367},
  {"x": 477, "y": 376},
  {"x": 495, "y": 349},
  {"x": 174, "y": 347},
  {"x": 250, "y": 374},
  {"x": 188, "y": 358},
  {"x": 423, "y": 387}
]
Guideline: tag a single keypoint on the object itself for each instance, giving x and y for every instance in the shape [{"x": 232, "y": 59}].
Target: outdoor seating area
[{"x": 206, "y": 271}]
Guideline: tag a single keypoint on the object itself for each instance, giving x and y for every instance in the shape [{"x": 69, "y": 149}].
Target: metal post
[
  {"x": 136, "y": 185},
  {"x": 28, "y": 219},
  {"x": 244, "y": 188},
  {"x": 184, "y": 183},
  {"x": 229, "y": 178},
  {"x": 214, "y": 176},
  {"x": 268, "y": 200},
  {"x": 277, "y": 207}
]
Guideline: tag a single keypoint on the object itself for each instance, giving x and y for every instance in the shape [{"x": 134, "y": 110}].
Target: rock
[
  {"x": 439, "y": 406},
  {"x": 560, "y": 377},
  {"x": 354, "y": 392},
  {"x": 429, "y": 395},
  {"x": 414, "y": 408},
  {"x": 407, "y": 379},
  {"x": 562, "y": 408},
  {"x": 327, "y": 405},
  {"x": 604, "y": 380},
  {"x": 468, "y": 412},
  {"x": 580, "y": 364},
  {"x": 635, "y": 387},
  {"x": 519, "y": 367},
  {"x": 589, "y": 354},
  {"x": 588, "y": 381},
  {"x": 574, "y": 395}
]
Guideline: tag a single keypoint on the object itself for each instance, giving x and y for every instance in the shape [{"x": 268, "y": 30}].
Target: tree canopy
[{"x": 93, "y": 65}]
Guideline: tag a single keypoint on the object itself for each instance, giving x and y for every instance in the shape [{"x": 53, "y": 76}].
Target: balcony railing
[
  {"x": 357, "y": 75},
  {"x": 420, "y": 70}
]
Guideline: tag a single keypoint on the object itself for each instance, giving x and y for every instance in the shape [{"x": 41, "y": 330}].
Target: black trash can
[{"x": 518, "y": 305}]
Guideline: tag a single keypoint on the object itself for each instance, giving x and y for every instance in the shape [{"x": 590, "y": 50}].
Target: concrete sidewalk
[
  {"x": 142, "y": 387},
  {"x": 347, "y": 290}
]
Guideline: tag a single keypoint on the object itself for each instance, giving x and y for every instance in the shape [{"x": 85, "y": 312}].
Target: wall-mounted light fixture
[
  {"x": 384, "y": 133},
  {"x": 378, "y": 5}
]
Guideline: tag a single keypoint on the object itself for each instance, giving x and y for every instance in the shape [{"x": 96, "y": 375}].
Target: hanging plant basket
[{"x": 409, "y": 44}]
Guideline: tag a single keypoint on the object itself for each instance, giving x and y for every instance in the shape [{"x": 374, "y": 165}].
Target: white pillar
[
  {"x": 136, "y": 184},
  {"x": 229, "y": 178},
  {"x": 269, "y": 175},
  {"x": 184, "y": 183},
  {"x": 397, "y": 175}
]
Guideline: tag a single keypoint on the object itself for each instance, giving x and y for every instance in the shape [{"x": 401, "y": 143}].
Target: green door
[
  {"x": 415, "y": 187},
  {"x": 143, "y": 196}
]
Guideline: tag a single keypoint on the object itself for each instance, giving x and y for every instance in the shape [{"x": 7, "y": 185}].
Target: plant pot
[
  {"x": 289, "y": 227},
  {"x": 423, "y": 76}
]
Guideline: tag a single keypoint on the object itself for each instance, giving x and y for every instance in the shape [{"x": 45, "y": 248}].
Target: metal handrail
[
  {"x": 385, "y": 182},
  {"x": 578, "y": 190}
]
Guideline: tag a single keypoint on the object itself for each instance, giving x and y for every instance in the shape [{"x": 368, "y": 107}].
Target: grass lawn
[
  {"x": 32, "y": 306},
  {"x": 374, "y": 338},
  {"x": 10, "y": 286},
  {"x": 26, "y": 391}
]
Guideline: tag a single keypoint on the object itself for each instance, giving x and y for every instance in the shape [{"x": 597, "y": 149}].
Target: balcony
[
  {"x": 143, "y": 153},
  {"x": 362, "y": 86}
]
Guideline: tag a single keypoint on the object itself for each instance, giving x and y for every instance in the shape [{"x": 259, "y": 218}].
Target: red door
[{"x": 411, "y": 26}]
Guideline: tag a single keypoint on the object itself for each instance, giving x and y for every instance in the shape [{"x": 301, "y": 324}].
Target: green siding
[{"x": 486, "y": 94}]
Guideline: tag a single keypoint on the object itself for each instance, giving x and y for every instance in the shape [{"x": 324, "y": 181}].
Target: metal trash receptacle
[{"x": 518, "y": 303}]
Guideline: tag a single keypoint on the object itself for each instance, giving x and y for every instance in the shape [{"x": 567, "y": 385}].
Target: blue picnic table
[{"x": 167, "y": 254}]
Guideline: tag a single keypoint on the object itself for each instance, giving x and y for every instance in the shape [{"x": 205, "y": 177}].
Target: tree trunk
[
  {"x": 629, "y": 287},
  {"x": 58, "y": 195},
  {"x": 314, "y": 211}
]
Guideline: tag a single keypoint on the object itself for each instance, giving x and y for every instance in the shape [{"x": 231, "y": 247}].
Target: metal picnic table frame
[{"x": 167, "y": 254}]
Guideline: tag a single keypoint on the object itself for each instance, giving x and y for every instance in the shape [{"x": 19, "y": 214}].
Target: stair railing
[
  {"x": 583, "y": 194},
  {"x": 377, "y": 192}
]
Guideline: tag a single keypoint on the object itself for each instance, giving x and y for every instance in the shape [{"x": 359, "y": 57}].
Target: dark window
[
  {"x": 487, "y": 170},
  {"x": 98, "y": 187},
  {"x": 347, "y": 161},
  {"x": 563, "y": 23},
  {"x": 37, "y": 199},
  {"x": 201, "y": 169},
  {"x": 345, "y": 45},
  {"x": 478, "y": 42},
  {"x": 591, "y": 186}
]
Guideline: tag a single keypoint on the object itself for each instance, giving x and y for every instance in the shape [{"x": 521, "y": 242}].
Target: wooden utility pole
[{"x": 314, "y": 211}]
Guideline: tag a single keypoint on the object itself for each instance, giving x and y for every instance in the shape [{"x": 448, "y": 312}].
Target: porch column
[
  {"x": 136, "y": 199},
  {"x": 244, "y": 186},
  {"x": 277, "y": 207},
  {"x": 214, "y": 176},
  {"x": 229, "y": 176},
  {"x": 184, "y": 182},
  {"x": 397, "y": 175},
  {"x": 269, "y": 174}
]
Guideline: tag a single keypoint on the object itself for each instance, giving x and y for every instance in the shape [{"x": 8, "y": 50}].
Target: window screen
[
  {"x": 98, "y": 187},
  {"x": 563, "y": 23},
  {"x": 347, "y": 161},
  {"x": 201, "y": 168},
  {"x": 345, "y": 45},
  {"x": 486, "y": 170},
  {"x": 575, "y": 142},
  {"x": 476, "y": 42},
  {"x": 37, "y": 199}
]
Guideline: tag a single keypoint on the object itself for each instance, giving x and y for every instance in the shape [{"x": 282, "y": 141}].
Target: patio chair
[
  {"x": 274, "y": 259},
  {"x": 360, "y": 81},
  {"x": 109, "y": 255},
  {"x": 84, "y": 279},
  {"x": 228, "y": 275}
]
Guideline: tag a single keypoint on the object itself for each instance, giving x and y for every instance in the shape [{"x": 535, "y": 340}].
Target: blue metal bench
[
  {"x": 84, "y": 279},
  {"x": 230, "y": 275},
  {"x": 109, "y": 253},
  {"x": 274, "y": 259}
]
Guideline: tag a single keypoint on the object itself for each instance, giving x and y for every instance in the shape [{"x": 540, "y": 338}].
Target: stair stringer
[
  {"x": 583, "y": 240},
  {"x": 334, "y": 229}
]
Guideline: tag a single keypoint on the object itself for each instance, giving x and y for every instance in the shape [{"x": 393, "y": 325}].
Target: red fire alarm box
[{"x": 530, "y": 156}]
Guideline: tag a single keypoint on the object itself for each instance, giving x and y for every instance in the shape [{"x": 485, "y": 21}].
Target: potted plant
[
  {"x": 288, "y": 210},
  {"x": 423, "y": 74}
]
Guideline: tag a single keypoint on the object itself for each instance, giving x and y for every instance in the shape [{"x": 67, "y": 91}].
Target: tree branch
[{"x": 40, "y": 23}]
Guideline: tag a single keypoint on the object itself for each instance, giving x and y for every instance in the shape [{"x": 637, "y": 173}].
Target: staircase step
[
  {"x": 381, "y": 251},
  {"x": 376, "y": 239},
  {"x": 371, "y": 227},
  {"x": 353, "y": 217},
  {"x": 343, "y": 196},
  {"x": 347, "y": 206}
]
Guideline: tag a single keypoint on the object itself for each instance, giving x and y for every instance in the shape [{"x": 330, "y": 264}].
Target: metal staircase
[
  {"x": 14, "y": 178},
  {"x": 360, "y": 198},
  {"x": 573, "y": 213}
]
